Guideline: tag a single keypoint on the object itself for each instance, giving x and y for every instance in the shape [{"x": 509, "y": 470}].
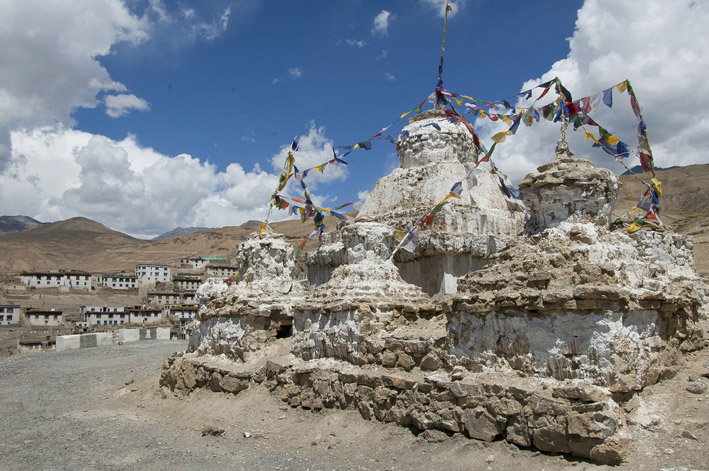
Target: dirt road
[{"x": 101, "y": 408}]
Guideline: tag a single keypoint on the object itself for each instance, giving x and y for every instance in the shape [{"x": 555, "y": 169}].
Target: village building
[
  {"x": 144, "y": 315},
  {"x": 198, "y": 263},
  {"x": 62, "y": 280},
  {"x": 44, "y": 317},
  {"x": 148, "y": 273},
  {"x": 9, "y": 314},
  {"x": 187, "y": 282},
  {"x": 220, "y": 271},
  {"x": 189, "y": 297},
  {"x": 119, "y": 281},
  {"x": 183, "y": 315},
  {"x": 164, "y": 298},
  {"x": 104, "y": 315}
]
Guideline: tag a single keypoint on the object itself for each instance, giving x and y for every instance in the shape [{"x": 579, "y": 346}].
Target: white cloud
[
  {"x": 295, "y": 72},
  {"x": 355, "y": 42},
  {"x": 58, "y": 173},
  {"x": 120, "y": 105},
  {"x": 381, "y": 23},
  {"x": 49, "y": 56},
  {"x": 384, "y": 54},
  {"x": 389, "y": 77},
  {"x": 210, "y": 30},
  {"x": 661, "y": 49},
  {"x": 314, "y": 148},
  {"x": 440, "y": 6}
]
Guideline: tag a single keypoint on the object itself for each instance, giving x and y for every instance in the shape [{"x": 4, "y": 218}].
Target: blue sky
[{"x": 146, "y": 115}]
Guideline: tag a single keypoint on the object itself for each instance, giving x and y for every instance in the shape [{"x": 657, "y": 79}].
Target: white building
[
  {"x": 198, "y": 263},
  {"x": 147, "y": 273},
  {"x": 187, "y": 282},
  {"x": 145, "y": 315},
  {"x": 119, "y": 281},
  {"x": 67, "y": 280},
  {"x": 220, "y": 271},
  {"x": 183, "y": 315},
  {"x": 9, "y": 314},
  {"x": 189, "y": 297},
  {"x": 44, "y": 317},
  {"x": 104, "y": 315},
  {"x": 164, "y": 298}
]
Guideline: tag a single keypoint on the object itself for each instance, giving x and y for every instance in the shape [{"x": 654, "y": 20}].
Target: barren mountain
[
  {"x": 83, "y": 244},
  {"x": 684, "y": 204},
  {"x": 10, "y": 224}
]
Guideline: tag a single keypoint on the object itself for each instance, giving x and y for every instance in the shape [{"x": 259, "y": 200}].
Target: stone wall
[{"x": 568, "y": 417}]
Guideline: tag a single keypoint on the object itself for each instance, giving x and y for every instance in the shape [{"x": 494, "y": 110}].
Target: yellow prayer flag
[
  {"x": 612, "y": 140},
  {"x": 459, "y": 101},
  {"x": 622, "y": 86},
  {"x": 482, "y": 114},
  {"x": 506, "y": 119},
  {"x": 633, "y": 227},
  {"x": 404, "y": 114},
  {"x": 262, "y": 229},
  {"x": 500, "y": 136},
  {"x": 469, "y": 97},
  {"x": 592, "y": 137},
  {"x": 657, "y": 184},
  {"x": 400, "y": 234},
  {"x": 356, "y": 146},
  {"x": 320, "y": 167}
]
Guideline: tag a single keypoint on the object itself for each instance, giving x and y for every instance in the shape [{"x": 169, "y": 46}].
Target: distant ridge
[
  {"x": 10, "y": 224},
  {"x": 639, "y": 169},
  {"x": 180, "y": 231},
  {"x": 250, "y": 223}
]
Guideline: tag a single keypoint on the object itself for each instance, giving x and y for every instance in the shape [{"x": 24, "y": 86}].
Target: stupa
[{"x": 435, "y": 152}]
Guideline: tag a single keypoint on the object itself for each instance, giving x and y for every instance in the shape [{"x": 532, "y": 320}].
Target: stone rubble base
[{"x": 549, "y": 415}]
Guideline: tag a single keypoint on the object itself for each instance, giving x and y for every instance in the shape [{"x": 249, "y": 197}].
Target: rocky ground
[{"x": 102, "y": 408}]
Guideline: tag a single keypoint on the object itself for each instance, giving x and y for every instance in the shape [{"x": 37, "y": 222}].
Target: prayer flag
[
  {"x": 608, "y": 97},
  {"x": 500, "y": 136},
  {"x": 457, "y": 189}
]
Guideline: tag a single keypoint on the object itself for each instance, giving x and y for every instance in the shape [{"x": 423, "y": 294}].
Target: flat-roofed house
[
  {"x": 60, "y": 279},
  {"x": 183, "y": 315},
  {"x": 148, "y": 273},
  {"x": 187, "y": 282},
  {"x": 145, "y": 315},
  {"x": 44, "y": 317},
  {"x": 9, "y": 314},
  {"x": 104, "y": 315},
  {"x": 120, "y": 281},
  {"x": 221, "y": 271}
]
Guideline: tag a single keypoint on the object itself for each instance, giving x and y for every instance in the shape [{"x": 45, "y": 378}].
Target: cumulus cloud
[
  {"x": 48, "y": 63},
  {"x": 661, "y": 50},
  {"x": 58, "y": 173},
  {"x": 120, "y": 105},
  {"x": 381, "y": 23},
  {"x": 440, "y": 6},
  {"x": 314, "y": 148}
]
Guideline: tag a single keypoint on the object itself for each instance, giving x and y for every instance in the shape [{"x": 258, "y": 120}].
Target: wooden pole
[{"x": 443, "y": 48}]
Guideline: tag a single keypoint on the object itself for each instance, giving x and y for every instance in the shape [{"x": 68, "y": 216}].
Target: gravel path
[{"x": 101, "y": 408}]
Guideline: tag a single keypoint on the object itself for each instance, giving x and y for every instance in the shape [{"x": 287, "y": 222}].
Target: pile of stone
[{"x": 534, "y": 332}]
